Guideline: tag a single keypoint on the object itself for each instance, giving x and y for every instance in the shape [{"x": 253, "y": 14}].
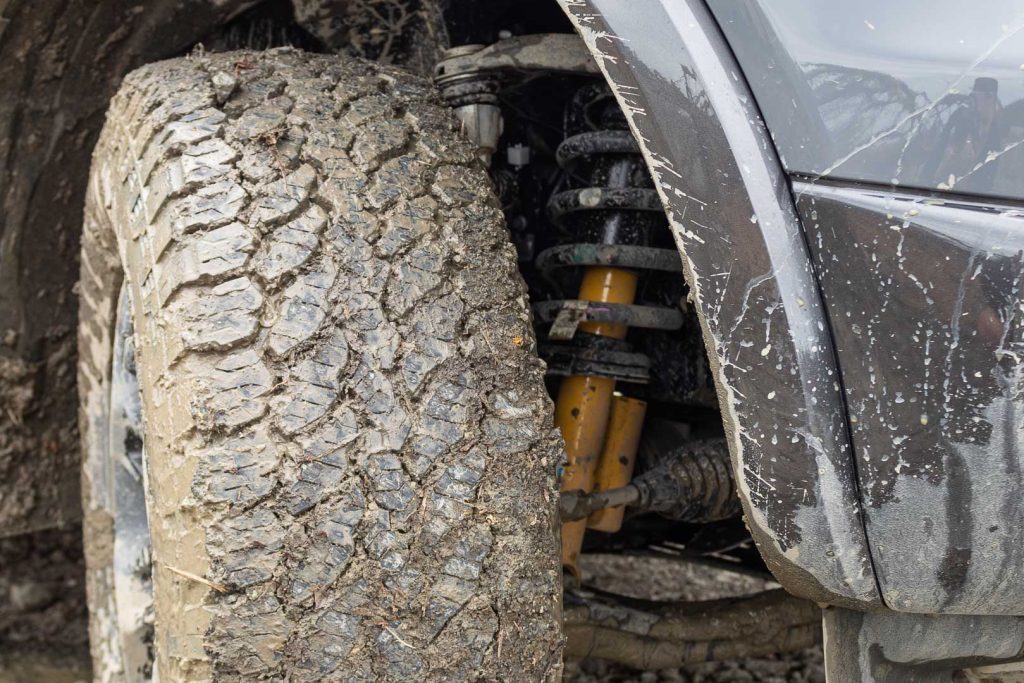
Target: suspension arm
[{"x": 573, "y": 505}]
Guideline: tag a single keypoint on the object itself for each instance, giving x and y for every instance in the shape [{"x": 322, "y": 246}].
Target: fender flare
[{"x": 747, "y": 264}]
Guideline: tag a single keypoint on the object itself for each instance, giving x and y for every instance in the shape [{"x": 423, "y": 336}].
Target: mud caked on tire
[{"x": 349, "y": 448}]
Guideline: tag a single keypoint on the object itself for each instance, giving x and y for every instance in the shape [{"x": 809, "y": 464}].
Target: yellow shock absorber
[
  {"x": 584, "y": 402},
  {"x": 618, "y": 457}
]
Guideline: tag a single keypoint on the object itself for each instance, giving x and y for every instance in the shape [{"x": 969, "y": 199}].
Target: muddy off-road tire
[{"x": 350, "y": 450}]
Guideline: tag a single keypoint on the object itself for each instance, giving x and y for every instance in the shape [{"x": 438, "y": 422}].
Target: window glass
[{"x": 922, "y": 93}]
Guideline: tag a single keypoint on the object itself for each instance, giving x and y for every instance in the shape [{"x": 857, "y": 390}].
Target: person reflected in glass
[{"x": 975, "y": 131}]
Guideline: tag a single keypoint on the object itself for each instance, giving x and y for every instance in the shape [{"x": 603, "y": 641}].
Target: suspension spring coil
[{"x": 610, "y": 211}]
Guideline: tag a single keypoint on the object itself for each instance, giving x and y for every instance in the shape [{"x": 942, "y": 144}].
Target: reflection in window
[{"x": 919, "y": 94}]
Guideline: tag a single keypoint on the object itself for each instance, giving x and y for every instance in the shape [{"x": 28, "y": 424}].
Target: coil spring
[{"x": 610, "y": 211}]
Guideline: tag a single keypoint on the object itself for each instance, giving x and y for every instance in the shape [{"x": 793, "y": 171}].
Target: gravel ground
[{"x": 43, "y": 620}]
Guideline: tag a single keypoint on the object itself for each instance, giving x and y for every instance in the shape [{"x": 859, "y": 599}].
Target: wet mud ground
[
  {"x": 43, "y": 620},
  {"x": 43, "y": 634}
]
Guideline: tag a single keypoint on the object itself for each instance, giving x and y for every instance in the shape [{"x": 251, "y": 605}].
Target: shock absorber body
[
  {"x": 618, "y": 458},
  {"x": 582, "y": 409},
  {"x": 610, "y": 216}
]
